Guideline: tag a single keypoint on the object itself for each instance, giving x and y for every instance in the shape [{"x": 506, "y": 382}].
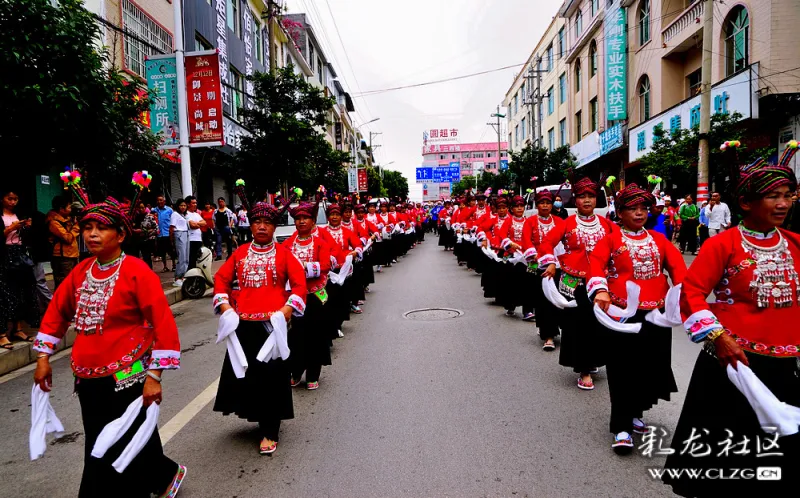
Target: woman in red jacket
[
  {"x": 580, "y": 233},
  {"x": 513, "y": 277},
  {"x": 345, "y": 243},
  {"x": 311, "y": 338},
  {"x": 640, "y": 366},
  {"x": 490, "y": 228},
  {"x": 751, "y": 271}
]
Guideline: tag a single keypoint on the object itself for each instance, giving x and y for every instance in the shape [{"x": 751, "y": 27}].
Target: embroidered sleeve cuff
[
  {"x": 699, "y": 324},
  {"x": 505, "y": 243},
  {"x": 312, "y": 270},
  {"x": 360, "y": 253},
  {"x": 165, "y": 359},
  {"x": 363, "y": 241},
  {"x": 45, "y": 343},
  {"x": 530, "y": 254},
  {"x": 334, "y": 262},
  {"x": 547, "y": 259},
  {"x": 297, "y": 304},
  {"x": 596, "y": 284},
  {"x": 219, "y": 300}
]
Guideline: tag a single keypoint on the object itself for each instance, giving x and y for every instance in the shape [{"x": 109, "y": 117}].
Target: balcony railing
[{"x": 688, "y": 17}]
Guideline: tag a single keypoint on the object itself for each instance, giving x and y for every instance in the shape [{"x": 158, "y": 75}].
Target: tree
[
  {"x": 60, "y": 102},
  {"x": 395, "y": 184},
  {"x": 285, "y": 145},
  {"x": 548, "y": 167},
  {"x": 466, "y": 183},
  {"x": 375, "y": 183}
]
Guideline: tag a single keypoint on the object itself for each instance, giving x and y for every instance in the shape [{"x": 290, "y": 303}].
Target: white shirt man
[{"x": 719, "y": 216}]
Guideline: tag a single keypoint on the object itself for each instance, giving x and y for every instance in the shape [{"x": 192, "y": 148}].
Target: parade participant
[
  {"x": 749, "y": 329},
  {"x": 342, "y": 299},
  {"x": 388, "y": 221},
  {"x": 446, "y": 232},
  {"x": 126, "y": 338},
  {"x": 474, "y": 222},
  {"x": 401, "y": 238},
  {"x": 580, "y": 344},
  {"x": 380, "y": 248},
  {"x": 491, "y": 271},
  {"x": 252, "y": 285},
  {"x": 366, "y": 230},
  {"x": 460, "y": 216},
  {"x": 535, "y": 229},
  {"x": 640, "y": 364},
  {"x": 514, "y": 277},
  {"x": 311, "y": 339}
]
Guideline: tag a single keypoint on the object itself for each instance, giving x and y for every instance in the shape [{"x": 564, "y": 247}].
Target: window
[
  {"x": 200, "y": 44},
  {"x": 233, "y": 17},
  {"x": 577, "y": 75},
  {"x": 489, "y": 155},
  {"x": 311, "y": 54},
  {"x": 578, "y": 25},
  {"x": 465, "y": 155},
  {"x": 516, "y": 135},
  {"x": 562, "y": 88},
  {"x": 693, "y": 82},
  {"x": 578, "y": 126},
  {"x": 516, "y": 103},
  {"x": 593, "y": 108},
  {"x": 505, "y": 154},
  {"x": 522, "y": 92},
  {"x": 441, "y": 157},
  {"x": 237, "y": 93},
  {"x": 595, "y": 7},
  {"x": 524, "y": 129},
  {"x": 561, "y": 42},
  {"x": 491, "y": 165},
  {"x": 644, "y": 98},
  {"x": 736, "y": 40},
  {"x": 562, "y": 131},
  {"x": 644, "y": 22},
  {"x": 138, "y": 23},
  {"x": 592, "y": 59},
  {"x": 319, "y": 70},
  {"x": 257, "y": 40},
  {"x": 550, "y": 57},
  {"x": 550, "y": 103},
  {"x": 551, "y": 139},
  {"x": 478, "y": 155}
]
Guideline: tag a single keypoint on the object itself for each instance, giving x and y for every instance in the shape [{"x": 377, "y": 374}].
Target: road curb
[{"x": 23, "y": 353}]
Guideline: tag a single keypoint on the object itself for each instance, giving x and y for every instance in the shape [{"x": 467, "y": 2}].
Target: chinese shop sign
[
  {"x": 616, "y": 63},
  {"x": 204, "y": 101},
  {"x": 439, "y": 135},
  {"x": 362, "y": 180},
  {"x": 162, "y": 80}
]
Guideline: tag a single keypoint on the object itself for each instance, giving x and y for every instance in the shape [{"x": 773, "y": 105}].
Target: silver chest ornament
[
  {"x": 256, "y": 265},
  {"x": 645, "y": 256},
  {"x": 774, "y": 273},
  {"x": 92, "y": 299},
  {"x": 589, "y": 232}
]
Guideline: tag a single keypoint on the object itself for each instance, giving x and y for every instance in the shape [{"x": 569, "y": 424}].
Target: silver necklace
[
  {"x": 589, "y": 232},
  {"x": 774, "y": 273},
  {"x": 93, "y": 297},
  {"x": 644, "y": 255},
  {"x": 256, "y": 265}
]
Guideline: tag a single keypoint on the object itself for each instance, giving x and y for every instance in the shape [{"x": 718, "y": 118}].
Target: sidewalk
[{"x": 23, "y": 354}]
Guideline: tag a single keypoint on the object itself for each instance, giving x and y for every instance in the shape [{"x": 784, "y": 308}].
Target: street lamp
[
  {"x": 368, "y": 122},
  {"x": 381, "y": 167}
]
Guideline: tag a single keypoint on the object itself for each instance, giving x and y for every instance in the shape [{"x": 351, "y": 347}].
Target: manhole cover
[{"x": 432, "y": 314}]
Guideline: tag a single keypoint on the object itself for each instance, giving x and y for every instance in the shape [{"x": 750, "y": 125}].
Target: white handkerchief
[
  {"x": 43, "y": 422},
  {"x": 555, "y": 297},
  {"x": 141, "y": 437},
  {"x": 773, "y": 414}
]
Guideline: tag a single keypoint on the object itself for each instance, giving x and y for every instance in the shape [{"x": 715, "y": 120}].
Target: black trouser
[
  {"x": 688, "y": 236},
  {"x": 313, "y": 372},
  {"x": 244, "y": 235},
  {"x": 61, "y": 268},
  {"x": 270, "y": 429},
  {"x": 164, "y": 248},
  {"x": 703, "y": 234},
  {"x": 194, "y": 252}
]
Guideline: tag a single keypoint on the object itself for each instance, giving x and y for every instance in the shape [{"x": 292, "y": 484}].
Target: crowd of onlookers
[{"x": 171, "y": 236}]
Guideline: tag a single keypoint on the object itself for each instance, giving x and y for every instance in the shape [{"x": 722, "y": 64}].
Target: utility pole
[
  {"x": 271, "y": 36},
  {"x": 499, "y": 150},
  {"x": 705, "y": 102},
  {"x": 183, "y": 117}
]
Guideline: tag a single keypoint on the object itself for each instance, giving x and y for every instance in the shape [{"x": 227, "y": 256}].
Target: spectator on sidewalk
[
  {"x": 64, "y": 233},
  {"x": 223, "y": 223},
  {"x": 145, "y": 230},
  {"x": 559, "y": 209},
  {"x": 702, "y": 230},
  {"x": 719, "y": 215},
  {"x": 163, "y": 244},
  {"x": 243, "y": 225},
  {"x": 689, "y": 215},
  {"x": 208, "y": 231},
  {"x": 179, "y": 236},
  {"x": 196, "y": 224},
  {"x": 40, "y": 247},
  {"x": 658, "y": 221}
]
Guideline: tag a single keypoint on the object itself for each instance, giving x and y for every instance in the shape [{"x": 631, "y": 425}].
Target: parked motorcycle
[{"x": 198, "y": 279}]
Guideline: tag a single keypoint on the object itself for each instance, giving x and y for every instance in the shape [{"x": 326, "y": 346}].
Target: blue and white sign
[
  {"x": 444, "y": 174},
  {"x": 503, "y": 164},
  {"x": 611, "y": 139},
  {"x": 424, "y": 175}
]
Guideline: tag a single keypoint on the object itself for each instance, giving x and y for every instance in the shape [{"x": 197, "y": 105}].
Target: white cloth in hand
[
  {"x": 140, "y": 439},
  {"x": 672, "y": 310},
  {"x": 554, "y": 296},
  {"x": 114, "y": 430},
  {"x": 277, "y": 345},
  {"x": 344, "y": 271},
  {"x": 773, "y": 414},
  {"x": 226, "y": 331},
  {"x": 43, "y": 422}
]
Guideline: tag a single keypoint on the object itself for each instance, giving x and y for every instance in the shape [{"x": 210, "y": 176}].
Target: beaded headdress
[{"x": 633, "y": 195}]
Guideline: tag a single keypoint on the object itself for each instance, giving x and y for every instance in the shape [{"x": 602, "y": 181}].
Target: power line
[{"x": 434, "y": 82}]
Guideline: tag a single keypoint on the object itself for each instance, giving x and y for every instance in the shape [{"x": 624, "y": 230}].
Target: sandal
[
  {"x": 175, "y": 485},
  {"x": 22, "y": 336},
  {"x": 549, "y": 345},
  {"x": 7, "y": 345},
  {"x": 267, "y": 446},
  {"x": 586, "y": 386}
]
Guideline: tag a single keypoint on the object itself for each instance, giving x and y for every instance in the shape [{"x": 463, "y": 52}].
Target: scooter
[{"x": 198, "y": 279}]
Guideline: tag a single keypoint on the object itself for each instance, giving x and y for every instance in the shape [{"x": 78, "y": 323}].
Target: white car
[
  {"x": 567, "y": 199},
  {"x": 285, "y": 227}
]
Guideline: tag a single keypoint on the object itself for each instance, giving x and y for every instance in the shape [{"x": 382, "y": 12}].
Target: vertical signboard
[
  {"x": 203, "y": 98},
  {"x": 362, "y": 180},
  {"x": 221, "y": 6},
  {"x": 616, "y": 62},
  {"x": 162, "y": 80},
  {"x": 248, "y": 59},
  {"x": 352, "y": 180},
  {"x": 338, "y": 135}
]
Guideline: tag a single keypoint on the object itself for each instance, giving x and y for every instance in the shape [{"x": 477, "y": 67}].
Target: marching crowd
[{"x": 613, "y": 292}]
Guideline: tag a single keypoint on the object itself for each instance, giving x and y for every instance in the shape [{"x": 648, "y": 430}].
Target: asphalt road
[{"x": 463, "y": 407}]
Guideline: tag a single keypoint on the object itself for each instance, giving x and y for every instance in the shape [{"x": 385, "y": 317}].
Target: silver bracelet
[{"x": 154, "y": 376}]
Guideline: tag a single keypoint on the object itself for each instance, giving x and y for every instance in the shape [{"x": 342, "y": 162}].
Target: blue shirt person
[{"x": 164, "y": 214}]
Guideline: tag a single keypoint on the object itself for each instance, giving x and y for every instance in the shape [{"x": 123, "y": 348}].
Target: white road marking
[
  {"x": 32, "y": 366},
  {"x": 183, "y": 417}
]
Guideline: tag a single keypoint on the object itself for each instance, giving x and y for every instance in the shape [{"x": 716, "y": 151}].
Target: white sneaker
[
  {"x": 639, "y": 427},
  {"x": 341, "y": 334},
  {"x": 178, "y": 283},
  {"x": 623, "y": 443}
]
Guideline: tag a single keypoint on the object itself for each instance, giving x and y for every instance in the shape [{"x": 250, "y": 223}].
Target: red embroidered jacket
[
  {"x": 511, "y": 231},
  {"x": 534, "y": 231},
  {"x": 345, "y": 241},
  {"x": 259, "y": 303},
  {"x": 137, "y": 322},
  {"x": 612, "y": 266},
  {"x": 725, "y": 269},
  {"x": 575, "y": 261},
  {"x": 315, "y": 256}
]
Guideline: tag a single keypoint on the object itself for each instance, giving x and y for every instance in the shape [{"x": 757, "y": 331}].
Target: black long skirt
[
  {"x": 714, "y": 404},
  {"x": 264, "y": 395},
  {"x": 310, "y": 338},
  {"x": 150, "y": 472},
  {"x": 367, "y": 273},
  {"x": 546, "y": 312},
  {"x": 447, "y": 237},
  {"x": 581, "y": 335},
  {"x": 490, "y": 276},
  {"x": 639, "y": 369}
]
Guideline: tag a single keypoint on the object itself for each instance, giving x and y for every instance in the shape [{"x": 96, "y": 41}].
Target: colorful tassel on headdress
[
  {"x": 487, "y": 192},
  {"x": 653, "y": 179},
  {"x": 140, "y": 179},
  {"x": 730, "y": 143},
  {"x": 788, "y": 153},
  {"x": 610, "y": 181},
  {"x": 238, "y": 189},
  {"x": 72, "y": 181}
]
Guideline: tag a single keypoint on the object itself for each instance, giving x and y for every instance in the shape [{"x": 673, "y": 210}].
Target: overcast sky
[{"x": 392, "y": 43}]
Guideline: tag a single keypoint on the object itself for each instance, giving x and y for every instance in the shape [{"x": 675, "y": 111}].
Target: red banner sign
[
  {"x": 362, "y": 180},
  {"x": 204, "y": 99}
]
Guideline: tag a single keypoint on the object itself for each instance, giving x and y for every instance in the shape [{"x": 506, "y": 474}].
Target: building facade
[{"x": 472, "y": 159}]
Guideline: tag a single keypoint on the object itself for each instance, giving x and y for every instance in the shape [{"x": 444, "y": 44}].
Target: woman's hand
[
  {"x": 43, "y": 375},
  {"x": 152, "y": 390},
  {"x": 287, "y": 313},
  {"x": 550, "y": 271},
  {"x": 485, "y": 244},
  {"x": 224, "y": 307},
  {"x": 602, "y": 299},
  {"x": 728, "y": 352},
  {"x": 516, "y": 247}
]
